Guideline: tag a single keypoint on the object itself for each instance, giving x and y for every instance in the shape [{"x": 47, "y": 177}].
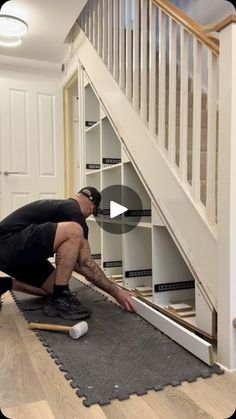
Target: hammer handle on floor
[{"x": 52, "y": 327}]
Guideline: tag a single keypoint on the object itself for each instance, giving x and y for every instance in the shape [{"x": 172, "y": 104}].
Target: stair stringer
[{"x": 184, "y": 221}]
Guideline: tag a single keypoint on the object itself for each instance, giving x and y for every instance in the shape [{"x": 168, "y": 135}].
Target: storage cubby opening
[
  {"x": 95, "y": 240},
  {"x": 92, "y": 140},
  {"x": 111, "y": 177},
  {"x": 137, "y": 258},
  {"x": 174, "y": 285},
  {"x": 131, "y": 179},
  {"x": 94, "y": 179},
  {"x": 111, "y": 147},
  {"x": 112, "y": 254},
  {"x": 92, "y": 107}
]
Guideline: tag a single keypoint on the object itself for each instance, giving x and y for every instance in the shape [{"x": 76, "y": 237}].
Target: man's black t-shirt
[{"x": 42, "y": 211}]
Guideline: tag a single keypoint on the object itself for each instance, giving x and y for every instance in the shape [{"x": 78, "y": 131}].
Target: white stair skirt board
[{"x": 194, "y": 344}]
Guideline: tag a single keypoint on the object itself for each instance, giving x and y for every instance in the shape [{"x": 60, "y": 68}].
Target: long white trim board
[{"x": 193, "y": 343}]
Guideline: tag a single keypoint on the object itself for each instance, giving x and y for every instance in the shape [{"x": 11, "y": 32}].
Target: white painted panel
[
  {"x": 47, "y": 195},
  {"x": 204, "y": 314},
  {"x": 183, "y": 337},
  {"x": 18, "y": 130},
  {"x": 46, "y": 118},
  {"x": 19, "y": 199}
]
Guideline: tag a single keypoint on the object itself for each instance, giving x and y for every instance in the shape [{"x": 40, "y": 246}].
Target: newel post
[{"x": 226, "y": 281}]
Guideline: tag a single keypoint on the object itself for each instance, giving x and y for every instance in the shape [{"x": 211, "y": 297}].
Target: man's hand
[{"x": 124, "y": 298}]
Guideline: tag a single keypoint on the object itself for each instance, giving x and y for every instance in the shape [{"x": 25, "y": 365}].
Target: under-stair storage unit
[{"x": 144, "y": 259}]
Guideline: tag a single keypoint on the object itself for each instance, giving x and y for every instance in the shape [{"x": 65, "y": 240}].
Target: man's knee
[{"x": 68, "y": 230}]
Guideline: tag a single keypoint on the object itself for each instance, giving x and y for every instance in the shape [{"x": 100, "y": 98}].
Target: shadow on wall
[{"x": 206, "y": 12}]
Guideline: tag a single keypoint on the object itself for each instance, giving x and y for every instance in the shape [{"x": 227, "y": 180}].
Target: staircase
[{"x": 161, "y": 93}]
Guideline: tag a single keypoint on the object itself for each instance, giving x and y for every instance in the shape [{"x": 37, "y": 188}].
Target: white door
[{"x": 31, "y": 137}]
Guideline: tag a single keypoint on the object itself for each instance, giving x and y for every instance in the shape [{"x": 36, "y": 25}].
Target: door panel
[
  {"x": 47, "y": 149},
  {"x": 32, "y": 150}
]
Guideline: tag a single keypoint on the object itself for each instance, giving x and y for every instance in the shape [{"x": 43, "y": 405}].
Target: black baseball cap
[{"x": 93, "y": 195}]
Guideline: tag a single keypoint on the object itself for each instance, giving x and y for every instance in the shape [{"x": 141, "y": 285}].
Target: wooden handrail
[
  {"x": 217, "y": 27},
  {"x": 188, "y": 23}
]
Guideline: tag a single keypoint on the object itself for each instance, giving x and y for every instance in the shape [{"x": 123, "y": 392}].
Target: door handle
[{"x": 6, "y": 173}]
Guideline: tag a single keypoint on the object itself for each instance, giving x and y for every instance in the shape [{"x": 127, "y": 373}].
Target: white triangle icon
[{"x": 116, "y": 209}]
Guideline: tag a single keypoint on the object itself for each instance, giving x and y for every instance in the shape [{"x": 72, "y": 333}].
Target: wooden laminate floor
[{"x": 32, "y": 387}]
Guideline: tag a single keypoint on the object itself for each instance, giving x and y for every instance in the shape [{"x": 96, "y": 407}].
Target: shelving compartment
[
  {"x": 95, "y": 240},
  {"x": 92, "y": 107},
  {"x": 111, "y": 177},
  {"x": 131, "y": 180},
  {"x": 112, "y": 255},
  {"x": 137, "y": 258},
  {"x": 174, "y": 285},
  {"x": 94, "y": 179},
  {"x": 111, "y": 146},
  {"x": 92, "y": 139}
]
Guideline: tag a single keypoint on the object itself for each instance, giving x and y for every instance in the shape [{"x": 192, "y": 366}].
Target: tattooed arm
[{"x": 87, "y": 267}]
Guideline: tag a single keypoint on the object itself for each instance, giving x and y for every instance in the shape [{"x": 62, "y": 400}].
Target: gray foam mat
[{"x": 120, "y": 355}]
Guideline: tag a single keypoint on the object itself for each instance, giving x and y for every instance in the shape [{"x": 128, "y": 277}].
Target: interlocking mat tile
[{"x": 120, "y": 355}]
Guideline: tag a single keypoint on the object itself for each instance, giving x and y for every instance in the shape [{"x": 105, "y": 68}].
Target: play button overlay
[
  {"x": 116, "y": 209},
  {"x": 120, "y": 209}
]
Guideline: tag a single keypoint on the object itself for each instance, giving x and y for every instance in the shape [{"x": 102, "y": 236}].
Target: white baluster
[
  {"x": 95, "y": 24},
  {"x": 136, "y": 66},
  {"x": 197, "y": 89},
  {"x": 162, "y": 79},
  {"x": 90, "y": 12},
  {"x": 211, "y": 138},
  {"x": 128, "y": 50},
  {"x": 172, "y": 93},
  {"x": 152, "y": 69},
  {"x": 121, "y": 45},
  {"x": 86, "y": 20},
  {"x": 143, "y": 99},
  {"x": 100, "y": 39},
  {"x": 115, "y": 40},
  {"x": 105, "y": 31},
  {"x": 183, "y": 146},
  {"x": 110, "y": 61}
]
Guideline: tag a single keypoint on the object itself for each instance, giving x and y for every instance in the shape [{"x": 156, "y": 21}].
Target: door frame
[{"x": 68, "y": 132}]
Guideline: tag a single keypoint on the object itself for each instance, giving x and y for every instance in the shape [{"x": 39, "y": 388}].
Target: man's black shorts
[{"x": 24, "y": 254}]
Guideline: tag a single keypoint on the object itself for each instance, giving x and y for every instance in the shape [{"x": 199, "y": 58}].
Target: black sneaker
[{"x": 66, "y": 306}]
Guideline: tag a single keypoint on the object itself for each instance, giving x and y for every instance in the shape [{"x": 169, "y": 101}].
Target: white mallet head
[{"x": 78, "y": 330}]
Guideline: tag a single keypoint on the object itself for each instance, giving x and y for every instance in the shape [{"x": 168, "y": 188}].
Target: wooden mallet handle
[{"x": 46, "y": 326}]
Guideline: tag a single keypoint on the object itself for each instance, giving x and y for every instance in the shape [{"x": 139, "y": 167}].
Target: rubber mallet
[{"x": 75, "y": 332}]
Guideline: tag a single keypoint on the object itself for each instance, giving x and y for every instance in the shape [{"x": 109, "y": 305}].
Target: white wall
[{"x": 206, "y": 11}]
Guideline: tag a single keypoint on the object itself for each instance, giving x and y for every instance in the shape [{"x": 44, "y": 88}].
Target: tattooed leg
[{"x": 67, "y": 244}]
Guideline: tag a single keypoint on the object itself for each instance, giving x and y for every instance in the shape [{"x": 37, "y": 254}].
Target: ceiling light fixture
[
  {"x": 13, "y": 41},
  {"x": 12, "y": 26}
]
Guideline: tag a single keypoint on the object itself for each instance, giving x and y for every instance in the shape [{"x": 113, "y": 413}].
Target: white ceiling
[{"x": 49, "y": 22}]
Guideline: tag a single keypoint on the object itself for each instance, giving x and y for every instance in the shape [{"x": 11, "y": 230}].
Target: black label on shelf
[
  {"x": 112, "y": 264},
  {"x": 137, "y": 273},
  {"x": 105, "y": 211},
  {"x": 92, "y": 166},
  {"x": 138, "y": 213},
  {"x": 96, "y": 255},
  {"x": 90, "y": 123},
  {"x": 174, "y": 286},
  {"x": 109, "y": 160}
]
